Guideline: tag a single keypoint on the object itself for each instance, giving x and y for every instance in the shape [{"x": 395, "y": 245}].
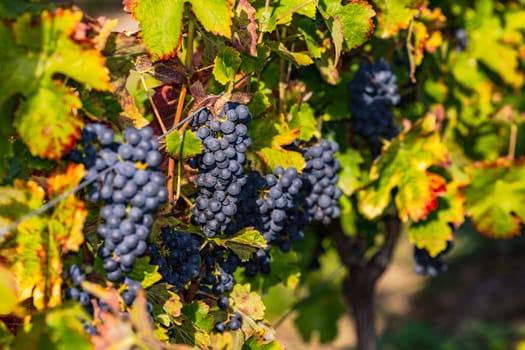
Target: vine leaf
[
  {"x": 34, "y": 51},
  {"x": 495, "y": 197},
  {"x": 160, "y": 23},
  {"x": 214, "y": 15},
  {"x": 356, "y": 21},
  {"x": 226, "y": 64},
  {"x": 145, "y": 273},
  {"x": 350, "y": 174},
  {"x": 248, "y": 302},
  {"x": 38, "y": 243},
  {"x": 269, "y": 136},
  {"x": 257, "y": 342},
  {"x": 433, "y": 233},
  {"x": 491, "y": 43},
  {"x": 245, "y": 28},
  {"x": 403, "y": 165},
  {"x": 281, "y": 13},
  {"x": 303, "y": 118},
  {"x": 320, "y": 314},
  {"x": 59, "y": 328},
  {"x": 244, "y": 243},
  {"x": 183, "y": 146},
  {"x": 8, "y": 291},
  {"x": 395, "y": 15}
]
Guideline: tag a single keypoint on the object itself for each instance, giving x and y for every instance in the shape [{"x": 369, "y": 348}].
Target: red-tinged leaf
[
  {"x": 418, "y": 200},
  {"x": 36, "y": 248},
  {"x": 247, "y": 302},
  {"x": 495, "y": 197},
  {"x": 214, "y": 15},
  {"x": 160, "y": 23},
  {"x": 245, "y": 28},
  {"x": 395, "y": 15},
  {"x": 50, "y": 116},
  {"x": 433, "y": 233},
  {"x": 67, "y": 220},
  {"x": 404, "y": 165},
  {"x": 34, "y": 51}
]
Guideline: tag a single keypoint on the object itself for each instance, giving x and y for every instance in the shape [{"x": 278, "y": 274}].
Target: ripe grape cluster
[
  {"x": 221, "y": 166},
  {"x": 428, "y": 265},
  {"x": 460, "y": 39},
  {"x": 219, "y": 265},
  {"x": 320, "y": 179},
  {"x": 178, "y": 256},
  {"x": 129, "y": 185},
  {"x": 373, "y": 92}
]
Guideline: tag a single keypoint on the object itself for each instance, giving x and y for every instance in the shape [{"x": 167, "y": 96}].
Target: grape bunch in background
[
  {"x": 373, "y": 92},
  {"x": 221, "y": 166},
  {"x": 130, "y": 186},
  {"x": 428, "y": 265}
]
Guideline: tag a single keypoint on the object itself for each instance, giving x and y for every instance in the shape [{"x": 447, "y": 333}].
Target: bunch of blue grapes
[
  {"x": 130, "y": 186},
  {"x": 178, "y": 256},
  {"x": 428, "y": 265},
  {"x": 219, "y": 265},
  {"x": 321, "y": 198},
  {"x": 76, "y": 276},
  {"x": 373, "y": 91},
  {"x": 460, "y": 39},
  {"x": 221, "y": 166}
]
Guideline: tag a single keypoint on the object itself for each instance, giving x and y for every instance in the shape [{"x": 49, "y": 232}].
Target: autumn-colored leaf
[
  {"x": 247, "y": 302},
  {"x": 395, "y": 15},
  {"x": 33, "y": 52},
  {"x": 403, "y": 165},
  {"x": 245, "y": 28},
  {"x": 433, "y": 232},
  {"x": 214, "y": 15},
  {"x": 495, "y": 197}
]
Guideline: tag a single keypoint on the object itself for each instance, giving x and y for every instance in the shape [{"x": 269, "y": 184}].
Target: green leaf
[
  {"x": 355, "y": 19},
  {"x": 280, "y": 157},
  {"x": 350, "y": 174},
  {"x": 161, "y": 25},
  {"x": 495, "y": 197},
  {"x": 319, "y": 314},
  {"x": 257, "y": 342},
  {"x": 145, "y": 273},
  {"x": 244, "y": 243},
  {"x": 403, "y": 165},
  {"x": 395, "y": 15},
  {"x": 300, "y": 58},
  {"x": 281, "y": 13},
  {"x": 247, "y": 302},
  {"x": 197, "y": 313},
  {"x": 60, "y": 329},
  {"x": 183, "y": 146},
  {"x": 214, "y": 15},
  {"x": 269, "y": 136},
  {"x": 226, "y": 64},
  {"x": 303, "y": 118},
  {"x": 8, "y": 293},
  {"x": 488, "y": 43}
]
